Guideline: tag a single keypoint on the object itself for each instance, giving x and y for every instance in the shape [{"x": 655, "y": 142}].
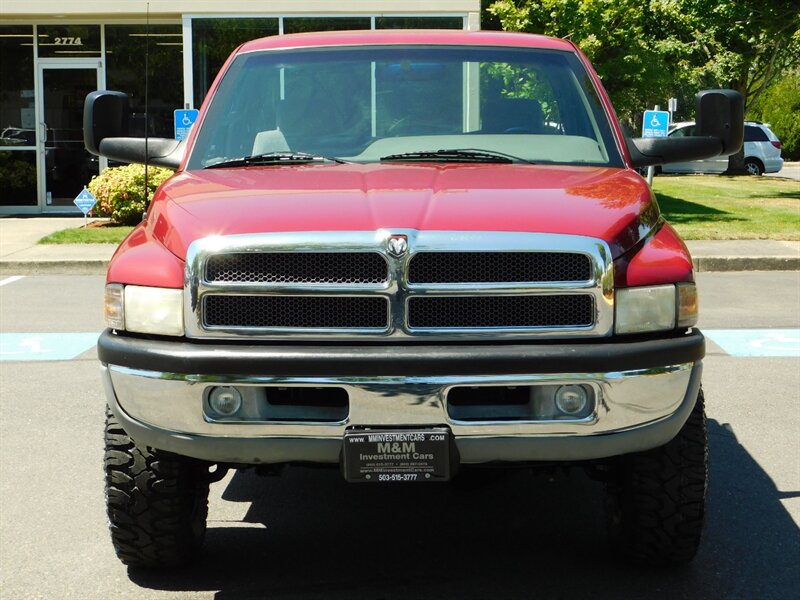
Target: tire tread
[
  {"x": 657, "y": 501},
  {"x": 157, "y": 502}
]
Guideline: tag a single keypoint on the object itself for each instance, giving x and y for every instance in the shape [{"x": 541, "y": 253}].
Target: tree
[
  {"x": 617, "y": 37},
  {"x": 780, "y": 107},
  {"x": 648, "y": 52},
  {"x": 740, "y": 44}
]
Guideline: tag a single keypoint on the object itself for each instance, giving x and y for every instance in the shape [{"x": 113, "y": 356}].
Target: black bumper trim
[{"x": 224, "y": 358}]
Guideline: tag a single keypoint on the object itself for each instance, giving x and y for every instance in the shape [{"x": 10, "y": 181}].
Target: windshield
[{"x": 374, "y": 103}]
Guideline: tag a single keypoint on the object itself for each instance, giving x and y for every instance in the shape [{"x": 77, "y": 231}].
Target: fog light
[
  {"x": 571, "y": 399},
  {"x": 225, "y": 400}
]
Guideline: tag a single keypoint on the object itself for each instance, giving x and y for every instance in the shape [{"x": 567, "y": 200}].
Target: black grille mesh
[
  {"x": 486, "y": 267},
  {"x": 296, "y": 311},
  {"x": 298, "y": 267},
  {"x": 564, "y": 310}
]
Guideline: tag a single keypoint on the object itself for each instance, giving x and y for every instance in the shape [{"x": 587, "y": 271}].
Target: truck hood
[{"x": 612, "y": 204}]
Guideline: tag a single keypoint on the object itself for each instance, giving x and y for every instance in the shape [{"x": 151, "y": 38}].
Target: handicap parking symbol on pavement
[
  {"x": 757, "y": 342},
  {"x": 45, "y": 346}
]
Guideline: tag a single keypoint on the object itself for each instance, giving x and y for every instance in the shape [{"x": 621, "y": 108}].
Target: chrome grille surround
[{"x": 397, "y": 290}]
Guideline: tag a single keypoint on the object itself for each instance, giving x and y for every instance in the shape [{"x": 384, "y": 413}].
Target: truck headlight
[
  {"x": 655, "y": 308},
  {"x": 144, "y": 309}
]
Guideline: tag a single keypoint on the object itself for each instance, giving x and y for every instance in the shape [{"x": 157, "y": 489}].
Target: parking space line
[{"x": 11, "y": 279}]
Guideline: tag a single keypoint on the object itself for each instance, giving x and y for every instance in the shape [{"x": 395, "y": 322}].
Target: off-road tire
[
  {"x": 657, "y": 498},
  {"x": 157, "y": 502}
]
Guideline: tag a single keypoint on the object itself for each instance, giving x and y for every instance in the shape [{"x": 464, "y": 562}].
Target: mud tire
[
  {"x": 157, "y": 502},
  {"x": 656, "y": 498}
]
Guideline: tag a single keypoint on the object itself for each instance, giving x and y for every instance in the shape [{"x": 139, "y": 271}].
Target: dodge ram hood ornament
[{"x": 397, "y": 245}]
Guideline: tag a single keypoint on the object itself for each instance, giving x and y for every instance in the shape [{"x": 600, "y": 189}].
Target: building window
[
  {"x": 305, "y": 24},
  {"x": 17, "y": 117},
  {"x": 419, "y": 23},
  {"x": 212, "y": 42},
  {"x": 69, "y": 41},
  {"x": 17, "y": 177},
  {"x": 126, "y": 46}
]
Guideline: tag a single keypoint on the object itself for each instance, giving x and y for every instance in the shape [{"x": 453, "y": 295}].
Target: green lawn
[
  {"x": 716, "y": 207},
  {"x": 89, "y": 235}
]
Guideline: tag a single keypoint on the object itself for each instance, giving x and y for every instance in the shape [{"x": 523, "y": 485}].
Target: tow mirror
[
  {"x": 720, "y": 114},
  {"x": 105, "y": 115},
  {"x": 719, "y": 131},
  {"x": 106, "y": 126}
]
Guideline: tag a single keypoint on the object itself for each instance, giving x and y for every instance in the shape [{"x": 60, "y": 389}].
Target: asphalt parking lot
[{"x": 307, "y": 534}]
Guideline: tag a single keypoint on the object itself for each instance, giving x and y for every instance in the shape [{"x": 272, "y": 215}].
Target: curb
[
  {"x": 99, "y": 266},
  {"x": 742, "y": 263},
  {"x": 53, "y": 267}
]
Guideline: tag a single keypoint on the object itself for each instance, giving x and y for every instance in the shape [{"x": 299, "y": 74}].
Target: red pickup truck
[{"x": 404, "y": 254}]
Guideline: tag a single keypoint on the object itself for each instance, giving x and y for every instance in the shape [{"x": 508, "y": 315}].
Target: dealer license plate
[{"x": 380, "y": 455}]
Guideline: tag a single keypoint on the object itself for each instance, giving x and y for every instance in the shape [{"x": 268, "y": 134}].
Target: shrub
[
  {"x": 780, "y": 107},
  {"x": 120, "y": 191}
]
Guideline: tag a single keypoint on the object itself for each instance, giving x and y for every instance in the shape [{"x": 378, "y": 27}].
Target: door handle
[{"x": 44, "y": 132}]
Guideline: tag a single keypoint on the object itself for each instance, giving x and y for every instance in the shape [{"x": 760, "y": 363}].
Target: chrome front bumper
[{"x": 636, "y": 410}]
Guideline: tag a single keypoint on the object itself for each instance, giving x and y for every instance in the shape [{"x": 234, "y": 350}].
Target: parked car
[
  {"x": 402, "y": 255},
  {"x": 762, "y": 152}
]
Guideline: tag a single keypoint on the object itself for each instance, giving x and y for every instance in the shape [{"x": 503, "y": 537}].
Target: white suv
[{"x": 762, "y": 152}]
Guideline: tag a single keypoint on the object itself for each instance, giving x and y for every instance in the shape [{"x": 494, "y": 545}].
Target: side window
[
  {"x": 683, "y": 132},
  {"x": 754, "y": 134}
]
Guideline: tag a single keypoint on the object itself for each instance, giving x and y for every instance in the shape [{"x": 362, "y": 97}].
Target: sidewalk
[{"x": 20, "y": 255}]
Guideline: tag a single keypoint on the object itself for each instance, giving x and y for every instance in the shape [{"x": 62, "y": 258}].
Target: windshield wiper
[
  {"x": 275, "y": 158},
  {"x": 456, "y": 155}
]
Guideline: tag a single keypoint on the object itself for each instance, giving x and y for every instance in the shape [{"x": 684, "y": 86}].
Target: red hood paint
[{"x": 608, "y": 203}]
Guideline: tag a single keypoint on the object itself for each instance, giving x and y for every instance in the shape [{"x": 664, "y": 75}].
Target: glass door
[{"x": 65, "y": 165}]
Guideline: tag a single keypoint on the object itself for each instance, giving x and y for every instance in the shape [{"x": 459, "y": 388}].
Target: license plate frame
[{"x": 413, "y": 455}]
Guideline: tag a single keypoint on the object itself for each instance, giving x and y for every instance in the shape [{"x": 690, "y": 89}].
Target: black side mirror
[
  {"x": 106, "y": 122},
  {"x": 720, "y": 114},
  {"x": 720, "y": 130},
  {"x": 105, "y": 115}
]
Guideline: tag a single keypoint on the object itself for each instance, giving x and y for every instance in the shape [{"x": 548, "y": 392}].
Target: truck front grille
[
  {"x": 486, "y": 267},
  {"x": 458, "y": 312},
  {"x": 298, "y": 267},
  {"x": 303, "y": 312},
  {"x": 404, "y": 285}
]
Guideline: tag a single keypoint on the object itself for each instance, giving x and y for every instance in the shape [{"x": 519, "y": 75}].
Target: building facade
[{"x": 53, "y": 53}]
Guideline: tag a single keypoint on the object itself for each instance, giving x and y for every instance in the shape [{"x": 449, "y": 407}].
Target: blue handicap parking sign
[
  {"x": 655, "y": 124},
  {"x": 85, "y": 201},
  {"x": 184, "y": 119}
]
